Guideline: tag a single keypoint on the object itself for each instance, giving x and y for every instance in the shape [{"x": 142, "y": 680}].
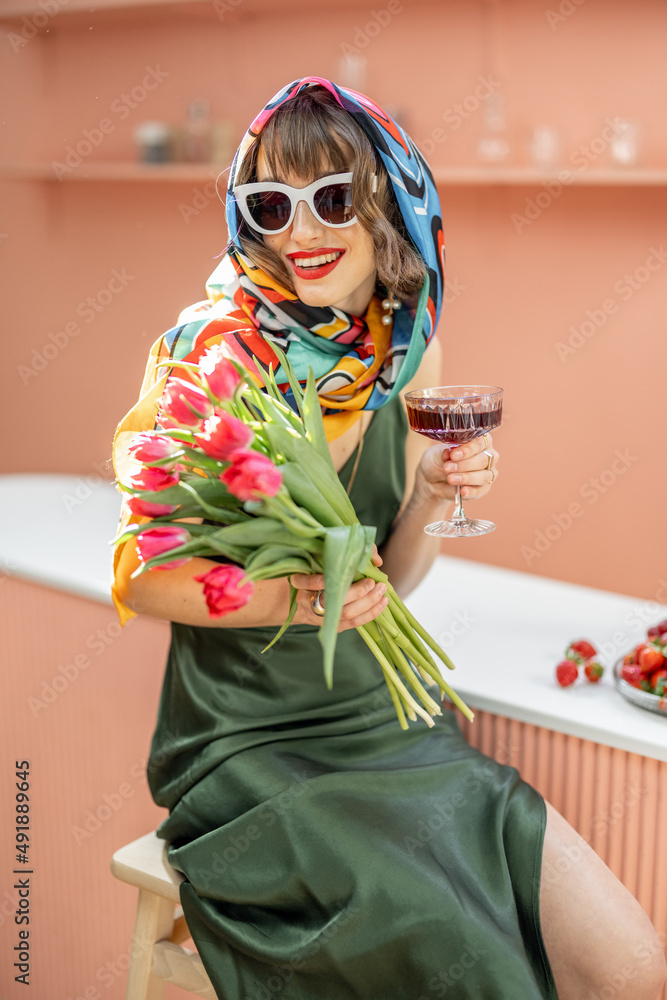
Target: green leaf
[
  {"x": 320, "y": 473},
  {"x": 312, "y": 418},
  {"x": 283, "y": 568},
  {"x": 260, "y": 531},
  {"x": 288, "y": 620},
  {"x": 269, "y": 555},
  {"x": 345, "y": 549},
  {"x": 291, "y": 377}
]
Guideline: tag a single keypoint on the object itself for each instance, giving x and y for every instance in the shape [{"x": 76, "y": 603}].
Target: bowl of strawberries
[{"x": 641, "y": 675}]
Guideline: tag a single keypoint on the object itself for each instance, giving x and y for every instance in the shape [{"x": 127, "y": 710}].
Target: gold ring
[
  {"x": 316, "y": 604},
  {"x": 486, "y": 441},
  {"x": 489, "y": 464},
  {"x": 493, "y": 474}
]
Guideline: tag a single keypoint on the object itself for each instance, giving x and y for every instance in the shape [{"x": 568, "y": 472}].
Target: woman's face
[{"x": 350, "y": 284}]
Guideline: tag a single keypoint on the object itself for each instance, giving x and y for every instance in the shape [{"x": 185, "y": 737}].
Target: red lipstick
[{"x": 310, "y": 273}]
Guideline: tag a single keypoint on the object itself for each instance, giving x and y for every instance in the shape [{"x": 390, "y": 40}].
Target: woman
[{"x": 327, "y": 852}]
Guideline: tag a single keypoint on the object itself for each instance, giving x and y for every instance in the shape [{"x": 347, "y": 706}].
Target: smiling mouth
[
  {"x": 325, "y": 258},
  {"x": 314, "y": 265}
]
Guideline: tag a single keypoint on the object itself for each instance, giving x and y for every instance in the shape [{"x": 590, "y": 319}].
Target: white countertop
[{"x": 504, "y": 630}]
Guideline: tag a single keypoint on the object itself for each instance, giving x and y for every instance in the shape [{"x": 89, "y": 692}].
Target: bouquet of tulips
[{"x": 240, "y": 457}]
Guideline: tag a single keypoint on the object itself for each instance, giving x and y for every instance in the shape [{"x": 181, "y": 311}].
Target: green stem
[
  {"x": 408, "y": 672},
  {"x": 408, "y": 700}
]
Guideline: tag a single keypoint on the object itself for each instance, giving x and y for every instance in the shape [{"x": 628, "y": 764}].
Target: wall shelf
[{"x": 464, "y": 176}]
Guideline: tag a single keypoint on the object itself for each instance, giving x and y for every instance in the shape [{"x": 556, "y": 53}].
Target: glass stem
[{"x": 459, "y": 514}]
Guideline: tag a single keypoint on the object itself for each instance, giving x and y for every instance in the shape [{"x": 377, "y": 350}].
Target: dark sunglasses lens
[
  {"x": 269, "y": 209},
  {"x": 334, "y": 203}
]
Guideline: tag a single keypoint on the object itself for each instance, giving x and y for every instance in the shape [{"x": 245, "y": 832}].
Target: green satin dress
[{"x": 328, "y": 854}]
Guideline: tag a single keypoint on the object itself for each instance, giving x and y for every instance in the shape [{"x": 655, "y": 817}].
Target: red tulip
[
  {"x": 154, "y": 478},
  {"x": 222, "y": 435},
  {"x": 251, "y": 476},
  {"x": 183, "y": 403},
  {"x": 222, "y": 589},
  {"x": 219, "y": 373},
  {"x": 151, "y": 447},
  {"x": 155, "y": 541},
  {"x": 145, "y": 509}
]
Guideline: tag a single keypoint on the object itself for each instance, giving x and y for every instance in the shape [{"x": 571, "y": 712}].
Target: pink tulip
[
  {"x": 154, "y": 478},
  {"x": 219, "y": 373},
  {"x": 251, "y": 476},
  {"x": 222, "y": 435},
  {"x": 222, "y": 591},
  {"x": 155, "y": 541},
  {"x": 151, "y": 447},
  {"x": 145, "y": 509},
  {"x": 183, "y": 403}
]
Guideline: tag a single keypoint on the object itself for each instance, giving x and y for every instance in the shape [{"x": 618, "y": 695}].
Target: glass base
[{"x": 460, "y": 529}]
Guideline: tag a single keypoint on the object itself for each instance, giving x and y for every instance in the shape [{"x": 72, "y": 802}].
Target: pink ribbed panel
[
  {"x": 616, "y": 800},
  {"x": 93, "y": 738}
]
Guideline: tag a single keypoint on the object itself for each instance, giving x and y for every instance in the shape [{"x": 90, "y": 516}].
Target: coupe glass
[{"x": 452, "y": 415}]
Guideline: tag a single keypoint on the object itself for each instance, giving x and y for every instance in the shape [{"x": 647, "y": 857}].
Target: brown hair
[{"x": 312, "y": 133}]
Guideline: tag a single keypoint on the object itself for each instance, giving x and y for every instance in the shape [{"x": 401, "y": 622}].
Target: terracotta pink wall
[{"x": 583, "y": 431}]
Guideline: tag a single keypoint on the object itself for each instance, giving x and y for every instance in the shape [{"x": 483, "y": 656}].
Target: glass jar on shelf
[{"x": 493, "y": 146}]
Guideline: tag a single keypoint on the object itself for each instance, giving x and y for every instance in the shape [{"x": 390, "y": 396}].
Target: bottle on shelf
[
  {"x": 197, "y": 133},
  {"x": 493, "y": 146},
  {"x": 153, "y": 142},
  {"x": 624, "y": 147}
]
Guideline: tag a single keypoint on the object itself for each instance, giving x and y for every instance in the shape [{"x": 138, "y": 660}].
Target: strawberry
[
  {"x": 651, "y": 633},
  {"x": 580, "y": 650},
  {"x": 593, "y": 670},
  {"x": 567, "y": 672},
  {"x": 650, "y": 658},
  {"x": 659, "y": 682},
  {"x": 628, "y": 658},
  {"x": 632, "y": 673}
]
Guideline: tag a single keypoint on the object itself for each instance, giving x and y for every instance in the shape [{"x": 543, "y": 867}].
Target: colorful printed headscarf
[{"x": 358, "y": 362}]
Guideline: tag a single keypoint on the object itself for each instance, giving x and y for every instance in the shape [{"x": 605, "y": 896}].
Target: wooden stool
[{"x": 156, "y": 955}]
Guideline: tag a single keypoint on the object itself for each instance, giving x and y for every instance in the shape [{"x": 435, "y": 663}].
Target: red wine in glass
[{"x": 454, "y": 415}]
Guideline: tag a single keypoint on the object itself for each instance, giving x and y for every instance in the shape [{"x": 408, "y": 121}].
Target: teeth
[{"x": 317, "y": 261}]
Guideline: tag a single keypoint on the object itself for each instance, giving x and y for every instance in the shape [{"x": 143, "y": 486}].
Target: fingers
[
  {"x": 363, "y": 602},
  {"x": 472, "y": 466}
]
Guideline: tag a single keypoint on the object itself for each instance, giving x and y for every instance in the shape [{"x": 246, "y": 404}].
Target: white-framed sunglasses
[{"x": 270, "y": 207}]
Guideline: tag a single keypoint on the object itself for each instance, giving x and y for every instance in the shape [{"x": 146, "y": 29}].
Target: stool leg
[{"x": 155, "y": 921}]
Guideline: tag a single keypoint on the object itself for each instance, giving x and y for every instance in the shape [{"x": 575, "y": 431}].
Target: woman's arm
[
  {"x": 174, "y": 595},
  {"x": 409, "y": 552}
]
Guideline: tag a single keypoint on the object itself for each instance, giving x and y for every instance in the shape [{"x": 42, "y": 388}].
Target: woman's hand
[
  {"x": 472, "y": 466},
  {"x": 363, "y": 602}
]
